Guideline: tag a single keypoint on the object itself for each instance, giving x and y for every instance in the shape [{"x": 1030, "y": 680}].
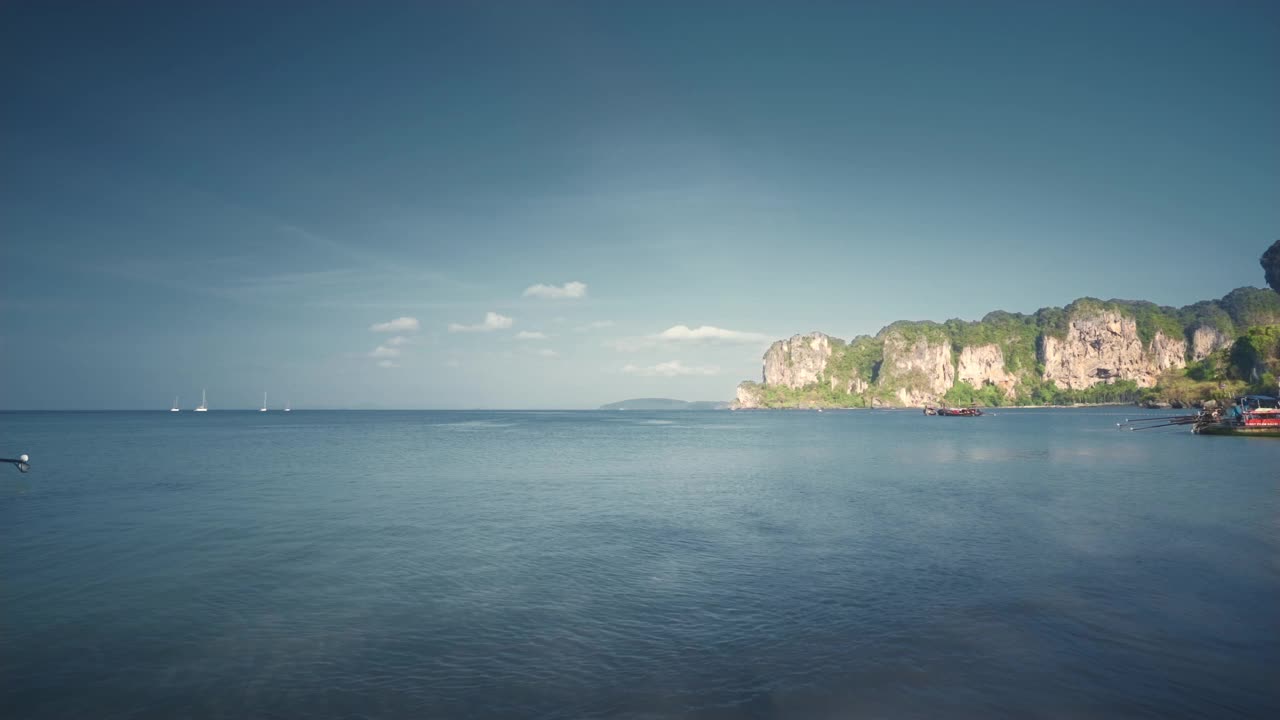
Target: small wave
[{"x": 474, "y": 425}]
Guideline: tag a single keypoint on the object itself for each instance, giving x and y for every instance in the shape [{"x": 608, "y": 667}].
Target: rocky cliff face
[
  {"x": 797, "y": 362},
  {"x": 1072, "y": 354},
  {"x": 852, "y": 386},
  {"x": 747, "y": 398},
  {"x": 984, "y": 365},
  {"x": 1167, "y": 353},
  {"x": 1105, "y": 346},
  {"x": 1205, "y": 340},
  {"x": 1099, "y": 346},
  {"x": 920, "y": 371}
]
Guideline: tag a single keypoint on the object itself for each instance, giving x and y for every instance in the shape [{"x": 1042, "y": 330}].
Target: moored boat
[
  {"x": 1252, "y": 415},
  {"x": 958, "y": 411}
]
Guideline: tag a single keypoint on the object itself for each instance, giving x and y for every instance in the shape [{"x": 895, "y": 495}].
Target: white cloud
[
  {"x": 569, "y": 291},
  {"x": 594, "y": 325},
  {"x": 548, "y": 352},
  {"x": 398, "y": 340},
  {"x": 386, "y": 364},
  {"x": 672, "y": 368},
  {"x": 453, "y": 362},
  {"x": 400, "y": 324},
  {"x": 685, "y": 334},
  {"x": 382, "y": 351},
  {"x": 492, "y": 321},
  {"x": 527, "y": 335}
]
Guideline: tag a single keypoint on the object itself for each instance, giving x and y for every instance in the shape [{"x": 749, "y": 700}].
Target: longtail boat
[
  {"x": 1256, "y": 415},
  {"x": 971, "y": 411}
]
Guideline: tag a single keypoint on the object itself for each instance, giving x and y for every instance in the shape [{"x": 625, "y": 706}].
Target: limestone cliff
[
  {"x": 918, "y": 369},
  {"x": 854, "y": 385},
  {"x": 1167, "y": 353},
  {"x": 1104, "y": 346},
  {"x": 748, "y": 397},
  {"x": 1089, "y": 351},
  {"x": 797, "y": 362},
  {"x": 1206, "y": 340},
  {"x": 985, "y": 365}
]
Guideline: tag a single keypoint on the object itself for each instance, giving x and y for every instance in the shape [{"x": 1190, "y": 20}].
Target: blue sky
[{"x": 225, "y": 196}]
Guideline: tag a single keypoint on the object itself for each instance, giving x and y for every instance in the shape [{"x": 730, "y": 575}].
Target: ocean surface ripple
[{"x": 1031, "y": 564}]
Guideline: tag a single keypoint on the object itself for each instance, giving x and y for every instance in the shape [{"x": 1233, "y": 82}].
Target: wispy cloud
[
  {"x": 530, "y": 335},
  {"x": 683, "y": 334},
  {"x": 547, "y": 353},
  {"x": 398, "y": 340},
  {"x": 569, "y": 291},
  {"x": 387, "y": 364},
  {"x": 400, "y": 324},
  {"x": 594, "y": 325},
  {"x": 382, "y": 351},
  {"x": 492, "y": 321},
  {"x": 672, "y": 368}
]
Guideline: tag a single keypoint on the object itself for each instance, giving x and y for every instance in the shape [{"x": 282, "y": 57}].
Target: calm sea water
[{"x": 629, "y": 564}]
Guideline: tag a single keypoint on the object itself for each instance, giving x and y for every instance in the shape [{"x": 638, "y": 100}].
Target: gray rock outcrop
[
  {"x": 798, "y": 361},
  {"x": 1206, "y": 340},
  {"x": 919, "y": 370},
  {"x": 984, "y": 365},
  {"x": 1104, "y": 346}
]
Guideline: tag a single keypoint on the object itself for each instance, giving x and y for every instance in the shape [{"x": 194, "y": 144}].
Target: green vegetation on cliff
[
  {"x": 1149, "y": 317},
  {"x": 810, "y": 396},
  {"x": 1251, "y": 306},
  {"x": 858, "y": 359},
  {"x": 1015, "y": 333},
  {"x": 1208, "y": 314},
  {"x": 1048, "y": 393},
  {"x": 962, "y": 393},
  {"x": 913, "y": 330},
  {"x": 1255, "y": 357},
  {"x": 1248, "y": 365}
]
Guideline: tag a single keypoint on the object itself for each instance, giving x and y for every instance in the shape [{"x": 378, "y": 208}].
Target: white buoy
[{"x": 23, "y": 458}]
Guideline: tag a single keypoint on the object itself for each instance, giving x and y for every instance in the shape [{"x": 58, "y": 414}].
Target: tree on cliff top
[{"x": 1271, "y": 265}]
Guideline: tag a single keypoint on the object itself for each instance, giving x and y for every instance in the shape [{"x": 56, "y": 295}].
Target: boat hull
[{"x": 1231, "y": 429}]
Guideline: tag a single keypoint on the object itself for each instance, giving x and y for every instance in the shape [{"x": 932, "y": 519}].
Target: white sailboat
[
  {"x": 175, "y": 405},
  {"x": 264, "y": 402},
  {"x": 286, "y": 406},
  {"x": 204, "y": 404}
]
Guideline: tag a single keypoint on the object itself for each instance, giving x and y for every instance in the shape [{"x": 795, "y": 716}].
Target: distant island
[
  {"x": 1091, "y": 351},
  {"x": 665, "y": 404}
]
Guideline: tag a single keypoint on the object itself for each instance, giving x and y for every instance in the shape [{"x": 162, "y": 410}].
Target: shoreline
[{"x": 813, "y": 408}]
